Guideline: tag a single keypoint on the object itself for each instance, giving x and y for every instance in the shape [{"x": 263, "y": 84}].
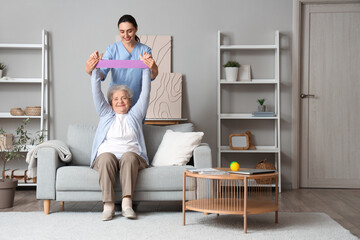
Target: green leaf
[{"x": 232, "y": 64}]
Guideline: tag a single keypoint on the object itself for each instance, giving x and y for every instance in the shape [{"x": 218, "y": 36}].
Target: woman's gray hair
[{"x": 118, "y": 87}]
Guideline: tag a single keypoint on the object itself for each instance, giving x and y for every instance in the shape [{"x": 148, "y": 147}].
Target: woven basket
[
  {"x": 6, "y": 141},
  {"x": 16, "y": 112},
  {"x": 265, "y": 165},
  {"x": 33, "y": 111}
]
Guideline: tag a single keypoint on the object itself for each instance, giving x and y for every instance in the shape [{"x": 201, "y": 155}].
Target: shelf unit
[
  {"x": 41, "y": 81},
  {"x": 223, "y": 116}
]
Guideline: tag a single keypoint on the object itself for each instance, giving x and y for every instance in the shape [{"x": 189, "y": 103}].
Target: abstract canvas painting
[
  {"x": 165, "y": 96},
  {"x": 160, "y": 49}
]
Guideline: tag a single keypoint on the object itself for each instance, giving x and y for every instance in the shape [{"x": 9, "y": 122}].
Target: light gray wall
[{"x": 79, "y": 27}]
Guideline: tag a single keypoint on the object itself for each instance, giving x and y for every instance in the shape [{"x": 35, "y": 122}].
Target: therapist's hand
[
  {"x": 92, "y": 61},
  {"x": 150, "y": 62}
]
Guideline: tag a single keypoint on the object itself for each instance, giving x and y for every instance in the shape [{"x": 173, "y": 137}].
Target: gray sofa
[{"x": 76, "y": 181}]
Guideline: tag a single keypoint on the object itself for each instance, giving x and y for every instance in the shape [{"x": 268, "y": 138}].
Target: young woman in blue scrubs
[{"x": 129, "y": 48}]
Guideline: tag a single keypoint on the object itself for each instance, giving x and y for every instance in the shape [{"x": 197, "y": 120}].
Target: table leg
[
  {"x": 217, "y": 191},
  {"x": 277, "y": 199},
  {"x": 245, "y": 204},
  {"x": 183, "y": 202}
]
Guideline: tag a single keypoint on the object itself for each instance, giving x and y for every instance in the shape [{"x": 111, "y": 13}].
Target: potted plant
[
  {"x": 231, "y": 70},
  {"x": 261, "y": 107},
  {"x": 13, "y": 151},
  {"x": 2, "y": 67}
]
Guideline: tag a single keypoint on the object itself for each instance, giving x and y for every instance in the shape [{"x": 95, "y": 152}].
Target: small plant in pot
[
  {"x": 11, "y": 151},
  {"x": 261, "y": 107},
  {"x": 2, "y": 68},
  {"x": 231, "y": 70}
]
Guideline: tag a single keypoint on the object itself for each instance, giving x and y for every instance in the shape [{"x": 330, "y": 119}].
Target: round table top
[{"x": 231, "y": 175}]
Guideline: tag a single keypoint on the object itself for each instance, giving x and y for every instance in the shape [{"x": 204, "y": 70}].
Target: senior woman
[{"x": 119, "y": 143}]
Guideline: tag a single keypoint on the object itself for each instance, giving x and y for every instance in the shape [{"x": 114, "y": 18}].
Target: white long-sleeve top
[{"x": 120, "y": 138}]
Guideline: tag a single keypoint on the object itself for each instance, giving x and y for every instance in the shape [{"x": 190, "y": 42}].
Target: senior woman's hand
[
  {"x": 150, "y": 62},
  {"x": 92, "y": 61}
]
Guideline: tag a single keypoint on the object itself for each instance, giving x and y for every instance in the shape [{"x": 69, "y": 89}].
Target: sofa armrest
[
  {"x": 47, "y": 164},
  {"x": 202, "y": 156}
]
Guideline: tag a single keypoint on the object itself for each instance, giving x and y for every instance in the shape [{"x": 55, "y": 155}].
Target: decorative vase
[
  {"x": 262, "y": 108},
  {"x": 1, "y": 72},
  {"x": 231, "y": 73},
  {"x": 7, "y": 192}
]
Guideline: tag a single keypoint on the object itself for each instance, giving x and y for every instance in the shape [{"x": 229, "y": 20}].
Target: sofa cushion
[
  {"x": 154, "y": 134},
  {"x": 165, "y": 178},
  {"x": 80, "y": 139},
  {"x": 77, "y": 178},
  {"x": 82, "y": 178}
]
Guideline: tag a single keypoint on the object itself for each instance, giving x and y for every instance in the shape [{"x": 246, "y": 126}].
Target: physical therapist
[{"x": 129, "y": 48}]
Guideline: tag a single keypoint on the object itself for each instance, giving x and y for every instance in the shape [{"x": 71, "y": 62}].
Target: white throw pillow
[{"x": 176, "y": 148}]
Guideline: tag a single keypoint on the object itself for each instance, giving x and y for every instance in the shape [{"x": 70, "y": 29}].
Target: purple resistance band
[{"x": 121, "y": 64}]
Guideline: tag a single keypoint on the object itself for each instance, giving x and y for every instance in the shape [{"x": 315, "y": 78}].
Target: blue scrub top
[{"x": 131, "y": 77}]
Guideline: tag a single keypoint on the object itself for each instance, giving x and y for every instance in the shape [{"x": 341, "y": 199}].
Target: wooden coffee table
[{"x": 231, "y": 194}]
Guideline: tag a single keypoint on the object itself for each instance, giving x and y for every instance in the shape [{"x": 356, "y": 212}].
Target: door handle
[{"x": 306, "y": 95}]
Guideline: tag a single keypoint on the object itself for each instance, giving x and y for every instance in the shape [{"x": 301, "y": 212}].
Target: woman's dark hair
[{"x": 130, "y": 19}]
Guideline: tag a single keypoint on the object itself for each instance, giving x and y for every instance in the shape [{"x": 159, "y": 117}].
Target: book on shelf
[
  {"x": 263, "y": 114},
  {"x": 208, "y": 171}
]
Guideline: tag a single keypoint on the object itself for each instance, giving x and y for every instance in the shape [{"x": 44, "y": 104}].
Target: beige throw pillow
[{"x": 176, "y": 148}]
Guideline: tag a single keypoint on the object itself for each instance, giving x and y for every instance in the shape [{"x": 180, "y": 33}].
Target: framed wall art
[
  {"x": 239, "y": 141},
  {"x": 245, "y": 73}
]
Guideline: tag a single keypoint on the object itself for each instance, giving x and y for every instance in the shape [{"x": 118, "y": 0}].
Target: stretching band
[{"x": 121, "y": 64}]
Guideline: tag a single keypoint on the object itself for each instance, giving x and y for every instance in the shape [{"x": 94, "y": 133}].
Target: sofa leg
[
  {"x": 62, "y": 204},
  {"x": 47, "y": 206}
]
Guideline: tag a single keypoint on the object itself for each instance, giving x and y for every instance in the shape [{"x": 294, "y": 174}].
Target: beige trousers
[{"x": 107, "y": 165}]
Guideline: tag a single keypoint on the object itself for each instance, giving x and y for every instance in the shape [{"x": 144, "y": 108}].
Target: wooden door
[{"x": 330, "y": 120}]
